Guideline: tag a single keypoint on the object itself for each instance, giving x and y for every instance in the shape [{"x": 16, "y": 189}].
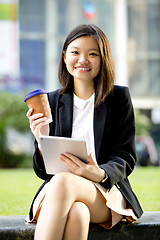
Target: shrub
[
  {"x": 12, "y": 114},
  {"x": 143, "y": 123}
]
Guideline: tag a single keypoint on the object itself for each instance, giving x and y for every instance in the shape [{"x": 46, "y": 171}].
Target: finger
[
  {"x": 74, "y": 159},
  {"x": 66, "y": 157},
  {"x": 70, "y": 164},
  {"x": 38, "y": 128},
  {"x": 29, "y": 112},
  {"x": 37, "y": 123},
  {"x": 37, "y": 132},
  {"x": 91, "y": 159},
  {"x": 36, "y": 116}
]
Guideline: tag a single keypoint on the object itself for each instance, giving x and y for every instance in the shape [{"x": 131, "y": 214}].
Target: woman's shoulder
[
  {"x": 120, "y": 89},
  {"x": 119, "y": 92},
  {"x": 118, "y": 96},
  {"x": 54, "y": 95}
]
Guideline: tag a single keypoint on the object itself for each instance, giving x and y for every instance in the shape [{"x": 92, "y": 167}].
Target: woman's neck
[{"x": 83, "y": 91}]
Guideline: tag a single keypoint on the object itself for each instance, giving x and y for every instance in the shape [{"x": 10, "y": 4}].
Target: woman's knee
[
  {"x": 79, "y": 215},
  {"x": 61, "y": 185},
  {"x": 62, "y": 180}
]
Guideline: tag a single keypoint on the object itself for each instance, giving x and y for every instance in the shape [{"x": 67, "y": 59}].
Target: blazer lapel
[
  {"x": 100, "y": 118},
  {"x": 66, "y": 115}
]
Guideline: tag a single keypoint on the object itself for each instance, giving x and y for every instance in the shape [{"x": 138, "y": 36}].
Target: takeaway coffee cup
[{"x": 38, "y": 101}]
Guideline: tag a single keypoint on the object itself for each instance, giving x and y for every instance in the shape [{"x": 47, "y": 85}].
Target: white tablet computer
[{"x": 52, "y": 147}]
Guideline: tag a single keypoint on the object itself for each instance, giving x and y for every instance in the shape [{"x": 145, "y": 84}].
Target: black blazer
[{"x": 114, "y": 132}]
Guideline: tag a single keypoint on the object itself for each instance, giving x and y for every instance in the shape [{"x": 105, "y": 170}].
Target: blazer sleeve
[
  {"x": 120, "y": 157},
  {"x": 38, "y": 163}
]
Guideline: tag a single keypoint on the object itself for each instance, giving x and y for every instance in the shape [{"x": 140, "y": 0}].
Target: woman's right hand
[{"x": 38, "y": 124}]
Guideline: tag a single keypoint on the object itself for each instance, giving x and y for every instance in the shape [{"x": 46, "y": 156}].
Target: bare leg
[
  {"x": 77, "y": 225},
  {"x": 64, "y": 190}
]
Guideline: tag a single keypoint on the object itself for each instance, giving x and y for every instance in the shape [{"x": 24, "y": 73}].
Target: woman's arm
[
  {"x": 38, "y": 127},
  {"x": 121, "y": 157},
  {"x": 38, "y": 163}
]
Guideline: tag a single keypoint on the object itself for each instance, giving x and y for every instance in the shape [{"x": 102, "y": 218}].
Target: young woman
[{"x": 88, "y": 106}]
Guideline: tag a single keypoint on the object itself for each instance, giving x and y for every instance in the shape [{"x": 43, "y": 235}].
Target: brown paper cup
[{"x": 38, "y": 101}]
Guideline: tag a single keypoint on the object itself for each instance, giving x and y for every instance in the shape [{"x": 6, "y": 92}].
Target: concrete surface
[{"x": 146, "y": 228}]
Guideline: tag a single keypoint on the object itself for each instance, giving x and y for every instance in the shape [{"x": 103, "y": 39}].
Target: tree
[{"x": 12, "y": 114}]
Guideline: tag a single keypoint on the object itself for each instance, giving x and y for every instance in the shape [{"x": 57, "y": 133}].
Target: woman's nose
[{"x": 83, "y": 59}]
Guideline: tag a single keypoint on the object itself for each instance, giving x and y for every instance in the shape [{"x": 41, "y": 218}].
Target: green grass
[
  {"x": 18, "y": 186},
  {"x": 17, "y": 189},
  {"x": 145, "y": 182}
]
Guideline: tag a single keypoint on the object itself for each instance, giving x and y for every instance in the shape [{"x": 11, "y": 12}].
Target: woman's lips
[{"x": 82, "y": 68}]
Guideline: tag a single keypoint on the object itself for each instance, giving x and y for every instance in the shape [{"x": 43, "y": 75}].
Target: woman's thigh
[{"x": 83, "y": 190}]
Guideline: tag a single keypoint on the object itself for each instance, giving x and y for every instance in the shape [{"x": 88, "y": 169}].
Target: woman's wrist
[{"x": 104, "y": 177}]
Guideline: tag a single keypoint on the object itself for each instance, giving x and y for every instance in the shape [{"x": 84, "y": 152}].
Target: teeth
[{"x": 83, "y": 69}]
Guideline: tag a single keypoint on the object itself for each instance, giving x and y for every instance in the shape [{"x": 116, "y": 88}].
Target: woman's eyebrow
[
  {"x": 94, "y": 49},
  {"x": 90, "y": 49},
  {"x": 73, "y": 47}
]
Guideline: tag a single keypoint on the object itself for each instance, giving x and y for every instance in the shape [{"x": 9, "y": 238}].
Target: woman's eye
[
  {"x": 75, "y": 52},
  {"x": 93, "y": 54}
]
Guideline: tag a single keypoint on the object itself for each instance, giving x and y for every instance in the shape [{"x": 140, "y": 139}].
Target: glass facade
[
  {"x": 144, "y": 47},
  {"x": 32, "y": 43},
  {"x": 32, "y": 63},
  {"x": 32, "y": 16},
  {"x": 44, "y": 25}
]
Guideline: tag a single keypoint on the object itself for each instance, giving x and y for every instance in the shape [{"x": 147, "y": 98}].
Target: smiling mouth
[{"x": 82, "y": 68}]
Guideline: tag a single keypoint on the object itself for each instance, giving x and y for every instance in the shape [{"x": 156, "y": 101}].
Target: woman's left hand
[{"x": 90, "y": 171}]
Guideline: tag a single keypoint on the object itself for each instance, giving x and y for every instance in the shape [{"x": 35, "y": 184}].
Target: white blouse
[{"x": 82, "y": 127}]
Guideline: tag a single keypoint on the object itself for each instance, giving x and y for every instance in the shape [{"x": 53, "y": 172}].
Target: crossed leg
[
  {"x": 70, "y": 204},
  {"x": 77, "y": 224}
]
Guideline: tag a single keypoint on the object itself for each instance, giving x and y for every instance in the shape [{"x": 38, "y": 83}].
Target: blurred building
[
  {"x": 132, "y": 27},
  {"x": 33, "y": 31}
]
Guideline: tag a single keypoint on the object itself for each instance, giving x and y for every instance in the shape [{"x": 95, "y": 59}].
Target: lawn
[
  {"x": 18, "y": 187},
  {"x": 146, "y": 184}
]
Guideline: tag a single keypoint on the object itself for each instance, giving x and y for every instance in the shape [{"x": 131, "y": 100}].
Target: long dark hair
[{"x": 104, "y": 82}]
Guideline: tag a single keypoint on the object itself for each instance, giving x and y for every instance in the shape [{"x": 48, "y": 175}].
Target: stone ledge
[{"x": 146, "y": 228}]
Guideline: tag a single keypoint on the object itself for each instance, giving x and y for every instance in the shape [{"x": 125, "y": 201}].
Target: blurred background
[{"x": 32, "y": 33}]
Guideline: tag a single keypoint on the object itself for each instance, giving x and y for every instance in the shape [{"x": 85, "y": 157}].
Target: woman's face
[{"x": 82, "y": 59}]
